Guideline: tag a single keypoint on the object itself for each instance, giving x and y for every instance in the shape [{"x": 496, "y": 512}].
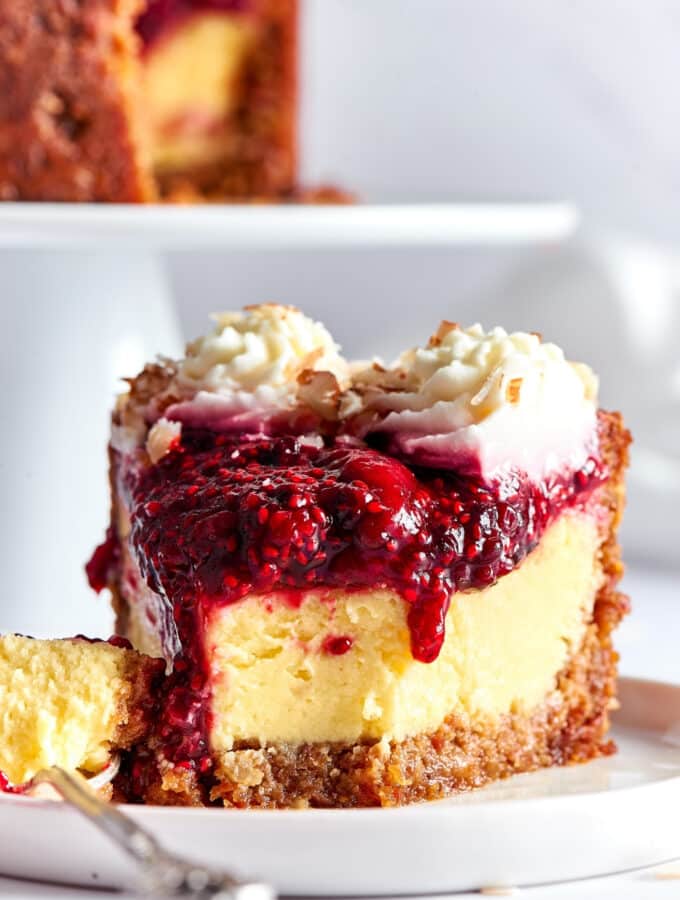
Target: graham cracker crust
[
  {"x": 570, "y": 727},
  {"x": 141, "y": 677}
]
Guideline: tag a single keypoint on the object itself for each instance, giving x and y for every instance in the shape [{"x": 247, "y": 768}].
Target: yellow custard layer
[
  {"x": 191, "y": 88},
  {"x": 60, "y": 704}
]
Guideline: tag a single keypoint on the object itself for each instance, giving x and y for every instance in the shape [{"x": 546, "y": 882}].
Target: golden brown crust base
[
  {"x": 570, "y": 727},
  {"x": 141, "y": 676},
  {"x": 71, "y": 125}
]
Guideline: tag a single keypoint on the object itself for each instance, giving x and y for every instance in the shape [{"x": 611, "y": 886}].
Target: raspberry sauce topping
[
  {"x": 220, "y": 518},
  {"x": 162, "y": 15}
]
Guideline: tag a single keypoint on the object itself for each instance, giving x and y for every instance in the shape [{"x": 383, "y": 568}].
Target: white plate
[
  {"x": 607, "y": 816},
  {"x": 43, "y": 225}
]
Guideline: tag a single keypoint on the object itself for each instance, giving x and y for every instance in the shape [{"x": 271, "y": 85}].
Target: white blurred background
[
  {"x": 439, "y": 100},
  {"x": 500, "y": 99}
]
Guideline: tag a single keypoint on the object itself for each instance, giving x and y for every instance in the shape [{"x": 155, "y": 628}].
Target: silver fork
[{"x": 162, "y": 874}]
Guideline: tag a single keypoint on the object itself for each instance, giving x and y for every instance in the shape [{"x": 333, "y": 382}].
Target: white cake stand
[{"x": 86, "y": 301}]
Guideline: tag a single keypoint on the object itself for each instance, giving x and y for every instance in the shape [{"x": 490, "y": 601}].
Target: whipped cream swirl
[
  {"x": 482, "y": 402},
  {"x": 248, "y": 369},
  {"x": 268, "y": 345}
]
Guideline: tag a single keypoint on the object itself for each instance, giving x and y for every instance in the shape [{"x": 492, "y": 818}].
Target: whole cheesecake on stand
[
  {"x": 134, "y": 101},
  {"x": 371, "y": 584}
]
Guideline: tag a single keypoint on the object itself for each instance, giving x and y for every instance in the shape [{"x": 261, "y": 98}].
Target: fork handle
[
  {"x": 130, "y": 837},
  {"x": 164, "y": 873}
]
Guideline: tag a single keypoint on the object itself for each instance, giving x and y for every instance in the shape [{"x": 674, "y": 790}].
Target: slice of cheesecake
[
  {"x": 373, "y": 585},
  {"x": 71, "y": 703},
  {"x": 138, "y": 100}
]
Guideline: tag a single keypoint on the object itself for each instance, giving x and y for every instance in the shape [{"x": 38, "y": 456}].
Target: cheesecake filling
[
  {"x": 193, "y": 64},
  {"x": 78, "y": 712},
  {"x": 276, "y": 678}
]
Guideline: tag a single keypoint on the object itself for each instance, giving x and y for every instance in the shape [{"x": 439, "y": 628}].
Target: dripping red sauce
[
  {"x": 162, "y": 16},
  {"x": 220, "y": 517},
  {"x": 104, "y": 561}
]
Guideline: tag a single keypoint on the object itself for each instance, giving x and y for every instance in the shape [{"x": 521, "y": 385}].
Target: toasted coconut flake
[
  {"x": 494, "y": 379},
  {"x": 320, "y": 392},
  {"x": 163, "y": 437},
  {"x": 512, "y": 390},
  {"x": 445, "y": 327}
]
